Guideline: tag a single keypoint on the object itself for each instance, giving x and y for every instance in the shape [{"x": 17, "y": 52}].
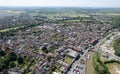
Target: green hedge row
[{"x": 99, "y": 66}]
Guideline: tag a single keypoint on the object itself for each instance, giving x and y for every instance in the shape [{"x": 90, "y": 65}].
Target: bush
[
  {"x": 116, "y": 46},
  {"x": 20, "y": 60},
  {"x": 99, "y": 66},
  {"x": 11, "y": 64},
  {"x": 2, "y": 53},
  {"x": 11, "y": 56},
  {"x": 111, "y": 61}
]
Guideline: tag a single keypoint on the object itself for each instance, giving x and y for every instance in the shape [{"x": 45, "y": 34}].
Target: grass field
[
  {"x": 112, "y": 68},
  {"x": 10, "y": 29},
  {"x": 113, "y": 14},
  {"x": 51, "y": 16},
  {"x": 68, "y": 59},
  {"x": 89, "y": 67}
]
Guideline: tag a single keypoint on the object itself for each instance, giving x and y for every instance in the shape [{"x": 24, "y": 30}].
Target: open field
[
  {"x": 6, "y": 13},
  {"x": 114, "y": 68},
  {"x": 51, "y": 16},
  {"x": 10, "y": 29},
  {"x": 113, "y": 14},
  {"x": 89, "y": 67}
]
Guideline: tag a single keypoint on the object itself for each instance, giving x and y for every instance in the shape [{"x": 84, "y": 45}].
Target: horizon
[
  {"x": 62, "y": 3},
  {"x": 54, "y": 7}
]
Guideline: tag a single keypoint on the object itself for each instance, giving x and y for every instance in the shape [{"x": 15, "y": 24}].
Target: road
[
  {"x": 76, "y": 63},
  {"x": 104, "y": 39},
  {"x": 96, "y": 48}
]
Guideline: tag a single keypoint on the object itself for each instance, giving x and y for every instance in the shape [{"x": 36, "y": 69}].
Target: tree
[
  {"x": 54, "y": 68},
  {"x": 6, "y": 62},
  {"x": 2, "y": 66},
  {"x": 12, "y": 64},
  {"x": 2, "y": 53},
  {"x": 12, "y": 56},
  {"x": 20, "y": 60},
  {"x": 49, "y": 58}
]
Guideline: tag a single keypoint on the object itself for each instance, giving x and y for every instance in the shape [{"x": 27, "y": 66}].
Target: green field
[
  {"x": 10, "y": 29},
  {"x": 51, "y": 16}
]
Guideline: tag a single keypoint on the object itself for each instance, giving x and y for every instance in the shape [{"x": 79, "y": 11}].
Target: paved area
[{"x": 79, "y": 66}]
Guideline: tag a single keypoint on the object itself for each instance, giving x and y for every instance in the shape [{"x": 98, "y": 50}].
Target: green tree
[
  {"x": 11, "y": 56},
  {"x": 20, "y": 60},
  {"x": 2, "y": 66},
  {"x": 12, "y": 64},
  {"x": 54, "y": 68},
  {"x": 49, "y": 58},
  {"x": 2, "y": 53}
]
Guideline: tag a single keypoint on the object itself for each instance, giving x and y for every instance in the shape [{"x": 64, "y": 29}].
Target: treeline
[
  {"x": 12, "y": 32},
  {"x": 111, "y": 61},
  {"x": 99, "y": 66},
  {"x": 116, "y": 46}
]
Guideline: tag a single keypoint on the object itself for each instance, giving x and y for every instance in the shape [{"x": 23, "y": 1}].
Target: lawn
[{"x": 68, "y": 59}]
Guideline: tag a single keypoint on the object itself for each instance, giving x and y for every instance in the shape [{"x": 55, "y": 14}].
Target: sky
[{"x": 62, "y": 3}]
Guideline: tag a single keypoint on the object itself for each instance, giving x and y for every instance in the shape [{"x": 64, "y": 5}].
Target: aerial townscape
[{"x": 59, "y": 40}]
